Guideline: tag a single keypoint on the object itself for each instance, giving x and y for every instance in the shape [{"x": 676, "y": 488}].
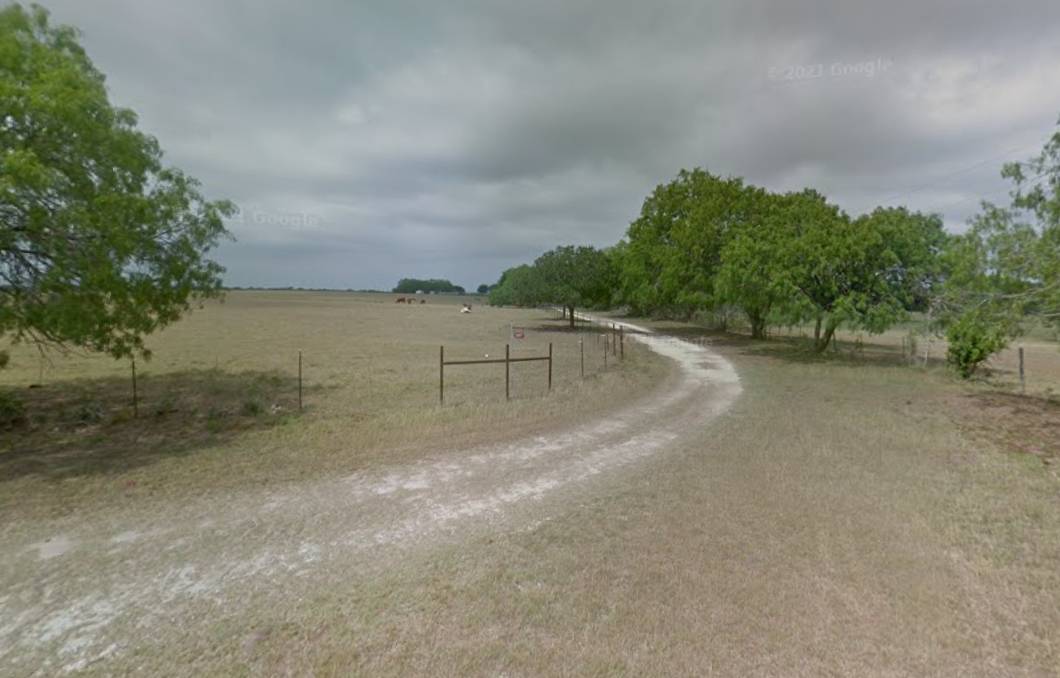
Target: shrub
[
  {"x": 167, "y": 406},
  {"x": 973, "y": 339},
  {"x": 90, "y": 413},
  {"x": 12, "y": 411}
]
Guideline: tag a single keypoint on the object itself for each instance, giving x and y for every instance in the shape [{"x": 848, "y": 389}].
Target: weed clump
[{"x": 12, "y": 411}]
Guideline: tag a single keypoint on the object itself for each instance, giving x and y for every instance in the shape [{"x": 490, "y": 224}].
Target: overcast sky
[{"x": 366, "y": 142}]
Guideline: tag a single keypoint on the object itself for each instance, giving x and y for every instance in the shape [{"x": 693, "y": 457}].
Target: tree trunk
[
  {"x": 817, "y": 331},
  {"x": 821, "y": 342},
  {"x": 571, "y": 316},
  {"x": 758, "y": 325}
]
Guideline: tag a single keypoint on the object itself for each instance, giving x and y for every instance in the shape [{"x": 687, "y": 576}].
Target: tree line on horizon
[
  {"x": 729, "y": 250},
  {"x": 432, "y": 285}
]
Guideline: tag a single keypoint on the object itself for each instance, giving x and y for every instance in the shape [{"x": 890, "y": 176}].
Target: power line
[
  {"x": 942, "y": 179},
  {"x": 980, "y": 197}
]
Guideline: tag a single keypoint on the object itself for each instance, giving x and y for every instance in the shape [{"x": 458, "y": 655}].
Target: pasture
[{"x": 218, "y": 401}]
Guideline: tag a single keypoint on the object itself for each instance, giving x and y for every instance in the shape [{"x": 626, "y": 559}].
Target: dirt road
[{"x": 81, "y": 592}]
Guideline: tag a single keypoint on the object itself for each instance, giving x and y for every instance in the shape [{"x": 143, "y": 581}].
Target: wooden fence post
[
  {"x": 507, "y": 372},
  {"x": 136, "y": 404},
  {"x": 441, "y": 375},
  {"x": 1023, "y": 377},
  {"x": 550, "y": 366},
  {"x": 622, "y": 342},
  {"x": 605, "y": 351}
]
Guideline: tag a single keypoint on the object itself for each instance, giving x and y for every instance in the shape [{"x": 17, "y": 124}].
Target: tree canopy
[
  {"x": 1006, "y": 266},
  {"x": 864, "y": 273},
  {"x": 706, "y": 243},
  {"x": 672, "y": 251},
  {"x": 517, "y": 286},
  {"x": 574, "y": 277},
  {"x": 570, "y": 276},
  {"x": 413, "y": 285},
  {"x": 100, "y": 243}
]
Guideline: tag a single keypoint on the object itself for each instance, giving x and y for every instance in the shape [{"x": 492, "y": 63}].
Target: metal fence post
[
  {"x": 622, "y": 342},
  {"x": 299, "y": 381},
  {"x": 441, "y": 375},
  {"x": 507, "y": 372},
  {"x": 550, "y": 366},
  {"x": 581, "y": 349}
]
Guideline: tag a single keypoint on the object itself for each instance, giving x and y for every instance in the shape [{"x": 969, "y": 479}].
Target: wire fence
[{"x": 266, "y": 380}]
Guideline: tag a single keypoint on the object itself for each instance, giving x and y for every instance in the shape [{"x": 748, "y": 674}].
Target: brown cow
[{"x": 399, "y": 300}]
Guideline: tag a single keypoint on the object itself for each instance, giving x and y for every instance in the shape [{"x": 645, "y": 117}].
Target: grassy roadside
[{"x": 842, "y": 519}]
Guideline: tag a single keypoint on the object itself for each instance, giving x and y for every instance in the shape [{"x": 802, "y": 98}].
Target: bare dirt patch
[
  {"x": 89, "y": 427},
  {"x": 1020, "y": 424}
]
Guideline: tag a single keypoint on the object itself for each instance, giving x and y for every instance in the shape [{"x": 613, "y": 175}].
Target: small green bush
[
  {"x": 90, "y": 413},
  {"x": 253, "y": 407},
  {"x": 168, "y": 405},
  {"x": 12, "y": 411},
  {"x": 973, "y": 339}
]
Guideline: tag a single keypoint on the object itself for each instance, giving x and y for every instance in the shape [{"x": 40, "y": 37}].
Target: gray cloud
[{"x": 372, "y": 141}]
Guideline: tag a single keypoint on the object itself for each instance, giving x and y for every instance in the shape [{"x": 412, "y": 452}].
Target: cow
[{"x": 399, "y": 300}]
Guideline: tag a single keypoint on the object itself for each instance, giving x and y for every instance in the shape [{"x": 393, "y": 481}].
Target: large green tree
[
  {"x": 672, "y": 251},
  {"x": 865, "y": 273},
  {"x": 517, "y": 286},
  {"x": 1006, "y": 267},
  {"x": 1036, "y": 206},
  {"x": 100, "y": 243},
  {"x": 574, "y": 277},
  {"x": 751, "y": 275}
]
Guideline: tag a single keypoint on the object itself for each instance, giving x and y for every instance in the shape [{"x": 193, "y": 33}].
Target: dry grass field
[
  {"x": 847, "y": 515},
  {"x": 218, "y": 400}
]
